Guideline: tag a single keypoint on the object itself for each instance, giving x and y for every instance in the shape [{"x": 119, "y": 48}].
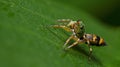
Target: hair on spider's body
[{"x": 79, "y": 35}]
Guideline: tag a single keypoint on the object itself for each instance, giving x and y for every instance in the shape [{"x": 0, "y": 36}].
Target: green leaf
[{"x": 28, "y": 40}]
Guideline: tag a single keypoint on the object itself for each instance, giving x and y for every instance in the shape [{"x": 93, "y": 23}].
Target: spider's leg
[
  {"x": 90, "y": 50},
  {"x": 75, "y": 43},
  {"x": 58, "y": 26},
  {"x": 64, "y": 20},
  {"x": 63, "y": 27},
  {"x": 67, "y": 41},
  {"x": 73, "y": 32}
]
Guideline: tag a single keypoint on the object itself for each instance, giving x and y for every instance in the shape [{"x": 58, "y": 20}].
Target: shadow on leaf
[{"x": 80, "y": 51}]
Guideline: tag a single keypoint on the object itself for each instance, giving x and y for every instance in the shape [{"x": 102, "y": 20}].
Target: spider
[{"x": 78, "y": 34}]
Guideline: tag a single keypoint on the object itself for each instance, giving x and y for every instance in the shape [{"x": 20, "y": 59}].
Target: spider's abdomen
[{"x": 94, "y": 40}]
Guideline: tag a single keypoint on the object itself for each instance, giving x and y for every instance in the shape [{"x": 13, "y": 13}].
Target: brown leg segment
[
  {"x": 75, "y": 43},
  {"x": 67, "y": 41},
  {"x": 90, "y": 52},
  {"x": 63, "y": 27}
]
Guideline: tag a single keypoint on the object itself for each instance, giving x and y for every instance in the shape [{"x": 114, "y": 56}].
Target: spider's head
[{"x": 73, "y": 24}]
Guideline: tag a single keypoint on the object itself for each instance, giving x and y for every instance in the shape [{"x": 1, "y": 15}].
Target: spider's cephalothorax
[{"x": 77, "y": 27}]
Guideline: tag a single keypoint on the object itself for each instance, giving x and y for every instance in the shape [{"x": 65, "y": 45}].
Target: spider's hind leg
[{"x": 90, "y": 50}]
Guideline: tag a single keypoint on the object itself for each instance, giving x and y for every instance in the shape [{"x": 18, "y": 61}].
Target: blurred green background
[
  {"x": 107, "y": 11},
  {"x": 28, "y": 40}
]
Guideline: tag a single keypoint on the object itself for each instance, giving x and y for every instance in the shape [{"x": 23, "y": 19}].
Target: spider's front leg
[
  {"x": 73, "y": 36},
  {"x": 75, "y": 43},
  {"x": 67, "y": 41},
  {"x": 63, "y": 27}
]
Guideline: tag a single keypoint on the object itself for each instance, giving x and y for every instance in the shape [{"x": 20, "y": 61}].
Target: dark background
[{"x": 107, "y": 11}]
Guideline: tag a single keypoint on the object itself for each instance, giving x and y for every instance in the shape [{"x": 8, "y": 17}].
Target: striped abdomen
[{"x": 94, "y": 40}]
